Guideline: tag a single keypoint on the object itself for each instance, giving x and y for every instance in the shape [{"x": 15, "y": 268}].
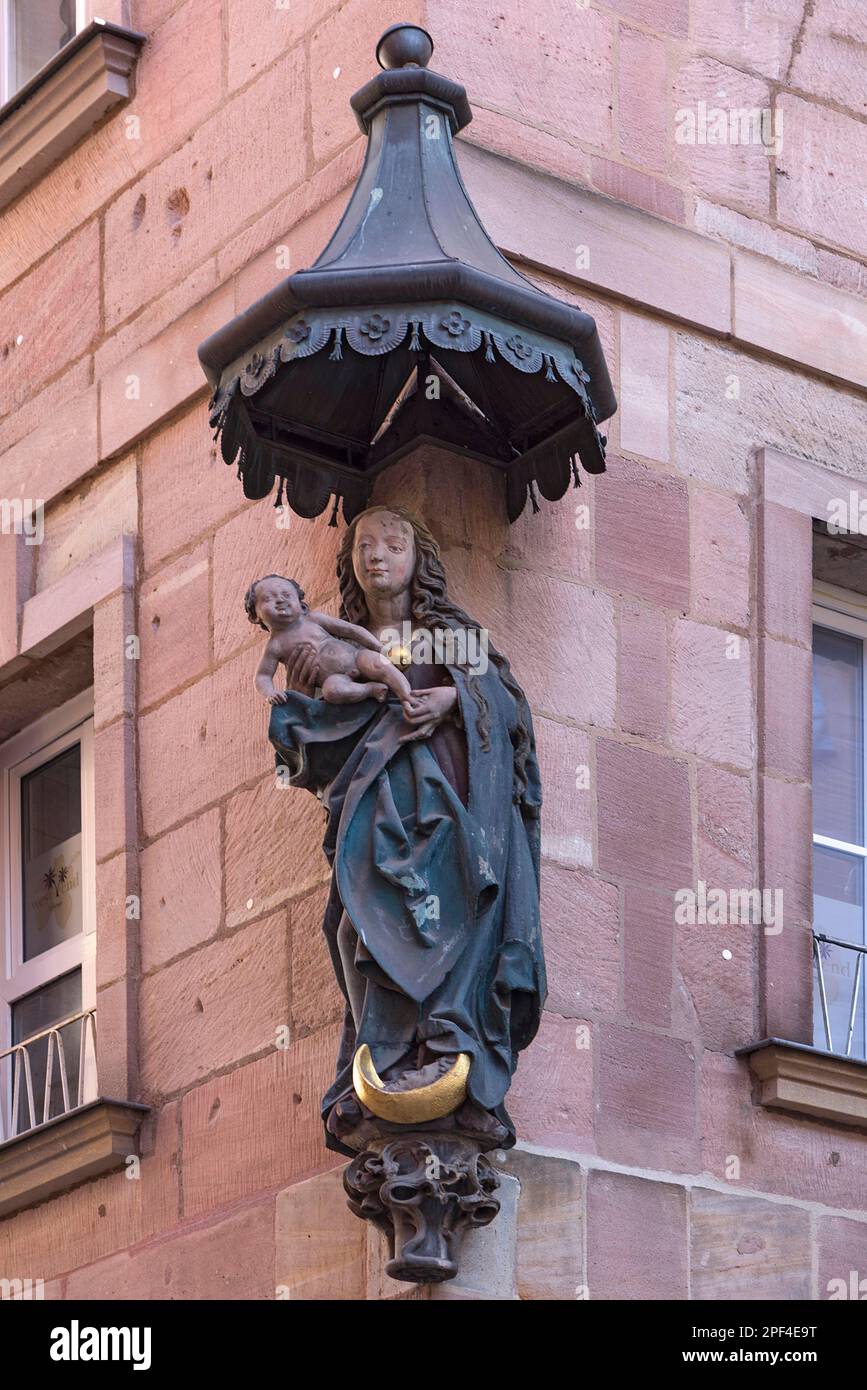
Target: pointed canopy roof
[{"x": 432, "y": 335}]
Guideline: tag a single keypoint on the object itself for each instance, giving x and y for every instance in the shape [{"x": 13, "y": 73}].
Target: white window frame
[
  {"x": 843, "y": 610},
  {"x": 35, "y": 745},
  {"x": 7, "y": 44}
]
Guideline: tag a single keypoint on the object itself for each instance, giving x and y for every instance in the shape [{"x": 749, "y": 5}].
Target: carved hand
[
  {"x": 425, "y": 709},
  {"x": 302, "y": 668}
]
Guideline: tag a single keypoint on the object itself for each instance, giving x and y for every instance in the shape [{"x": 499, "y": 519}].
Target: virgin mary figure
[{"x": 432, "y": 919}]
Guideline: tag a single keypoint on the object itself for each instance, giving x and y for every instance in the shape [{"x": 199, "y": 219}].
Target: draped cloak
[{"x": 443, "y": 896}]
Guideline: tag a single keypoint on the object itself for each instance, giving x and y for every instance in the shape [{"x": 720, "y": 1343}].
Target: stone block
[
  {"x": 636, "y": 788},
  {"x": 551, "y": 1099},
  {"x": 63, "y": 287},
  {"x": 220, "y": 1004},
  {"x": 842, "y": 1250},
  {"x": 180, "y": 890},
  {"x": 273, "y": 848},
  {"x": 648, "y": 954},
  {"x": 786, "y": 574},
  {"x": 646, "y": 1111},
  {"x": 201, "y": 744},
  {"x": 712, "y": 694},
  {"x": 114, "y": 668},
  {"x": 738, "y": 34},
  {"x": 637, "y": 1240},
  {"x": 114, "y": 761},
  {"x": 720, "y": 558},
  {"x": 627, "y": 185},
  {"x": 642, "y": 534},
  {"x": 733, "y": 164},
  {"x": 559, "y": 678},
  {"x": 565, "y": 766},
  {"x": 828, "y": 61},
  {"x": 771, "y": 1151},
  {"x": 550, "y": 1225},
  {"x": 227, "y": 1259},
  {"x": 726, "y": 827},
  {"x": 160, "y": 376},
  {"x": 786, "y": 742},
  {"x": 263, "y": 1119},
  {"x": 824, "y": 166},
  {"x": 806, "y": 320},
  {"x": 174, "y": 618},
  {"x": 642, "y": 99},
  {"x": 678, "y": 271},
  {"x": 320, "y": 1243},
  {"x": 644, "y": 387},
  {"x": 729, "y": 405},
  {"x": 183, "y": 208},
  {"x": 747, "y": 1248},
  {"x": 581, "y": 932},
  {"x": 643, "y": 687},
  {"x": 170, "y": 459},
  {"x": 532, "y": 64}
]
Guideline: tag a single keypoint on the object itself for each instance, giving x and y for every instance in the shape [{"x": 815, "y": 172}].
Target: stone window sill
[
  {"x": 63, "y": 102},
  {"x": 84, "y": 1143},
  {"x": 808, "y": 1081}
]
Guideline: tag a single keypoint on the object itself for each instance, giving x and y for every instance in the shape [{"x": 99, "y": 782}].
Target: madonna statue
[{"x": 432, "y": 919}]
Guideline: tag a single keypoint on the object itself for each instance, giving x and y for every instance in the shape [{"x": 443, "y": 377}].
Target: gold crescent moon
[{"x": 431, "y": 1102}]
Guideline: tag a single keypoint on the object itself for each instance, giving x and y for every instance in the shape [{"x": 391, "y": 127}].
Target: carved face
[
  {"x": 277, "y": 602},
  {"x": 383, "y": 554}
]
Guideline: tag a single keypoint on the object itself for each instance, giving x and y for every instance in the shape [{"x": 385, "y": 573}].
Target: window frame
[
  {"x": 7, "y": 45},
  {"x": 845, "y": 611},
  {"x": 27, "y": 750}
]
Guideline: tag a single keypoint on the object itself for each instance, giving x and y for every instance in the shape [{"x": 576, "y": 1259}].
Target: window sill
[
  {"x": 63, "y": 102},
  {"x": 808, "y": 1081},
  {"x": 84, "y": 1143}
]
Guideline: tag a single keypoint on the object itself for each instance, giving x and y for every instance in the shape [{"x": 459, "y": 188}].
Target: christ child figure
[{"x": 351, "y": 666}]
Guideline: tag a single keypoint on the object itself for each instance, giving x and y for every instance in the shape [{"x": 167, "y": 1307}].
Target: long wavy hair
[{"x": 432, "y": 608}]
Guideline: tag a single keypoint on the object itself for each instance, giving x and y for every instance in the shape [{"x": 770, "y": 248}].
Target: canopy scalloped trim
[{"x": 371, "y": 332}]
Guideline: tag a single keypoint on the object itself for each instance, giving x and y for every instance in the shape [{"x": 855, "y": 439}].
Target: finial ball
[{"x": 404, "y": 46}]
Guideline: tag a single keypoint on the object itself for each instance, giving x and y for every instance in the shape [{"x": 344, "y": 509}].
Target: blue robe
[{"x": 444, "y": 897}]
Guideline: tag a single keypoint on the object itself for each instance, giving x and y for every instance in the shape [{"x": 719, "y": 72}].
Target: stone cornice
[
  {"x": 63, "y": 101},
  {"x": 808, "y": 1081},
  {"x": 82, "y": 1144}
]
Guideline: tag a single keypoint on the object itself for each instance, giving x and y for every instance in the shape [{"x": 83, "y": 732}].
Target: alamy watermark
[
  {"x": 848, "y": 515},
  {"x": 720, "y": 907},
  {"x": 466, "y": 647},
  {"x": 23, "y": 516},
  {"x": 22, "y": 1289},
  {"x": 739, "y": 125}
]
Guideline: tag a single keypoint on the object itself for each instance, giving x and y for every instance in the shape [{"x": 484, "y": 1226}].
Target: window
[
  {"x": 47, "y": 942},
  {"x": 839, "y": 820},
  {"x": 31, "y": 32}
]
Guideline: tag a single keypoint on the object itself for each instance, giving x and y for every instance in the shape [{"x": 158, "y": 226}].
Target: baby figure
[{"x": 351, "y": 666}]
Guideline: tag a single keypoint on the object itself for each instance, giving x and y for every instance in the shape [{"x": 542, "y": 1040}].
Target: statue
[
  {"x": 432, "y": 921},
  {"x": 344, "y": 651}
]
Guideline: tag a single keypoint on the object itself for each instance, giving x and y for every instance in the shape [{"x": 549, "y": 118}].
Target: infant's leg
[
  {"x": 343, "y": 690},
  {"x": 379, "y": 668}
]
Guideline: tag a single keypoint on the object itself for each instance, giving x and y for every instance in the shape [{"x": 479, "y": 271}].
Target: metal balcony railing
[
  {"x": 33, "y": 1057},
  {"x": 821, "y": 945}
]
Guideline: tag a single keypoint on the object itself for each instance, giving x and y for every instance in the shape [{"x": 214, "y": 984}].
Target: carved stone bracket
[{"x": 423, "y": 1191}]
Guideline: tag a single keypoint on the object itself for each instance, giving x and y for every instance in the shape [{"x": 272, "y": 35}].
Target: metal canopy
[{"x": 409, "y": 328}]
